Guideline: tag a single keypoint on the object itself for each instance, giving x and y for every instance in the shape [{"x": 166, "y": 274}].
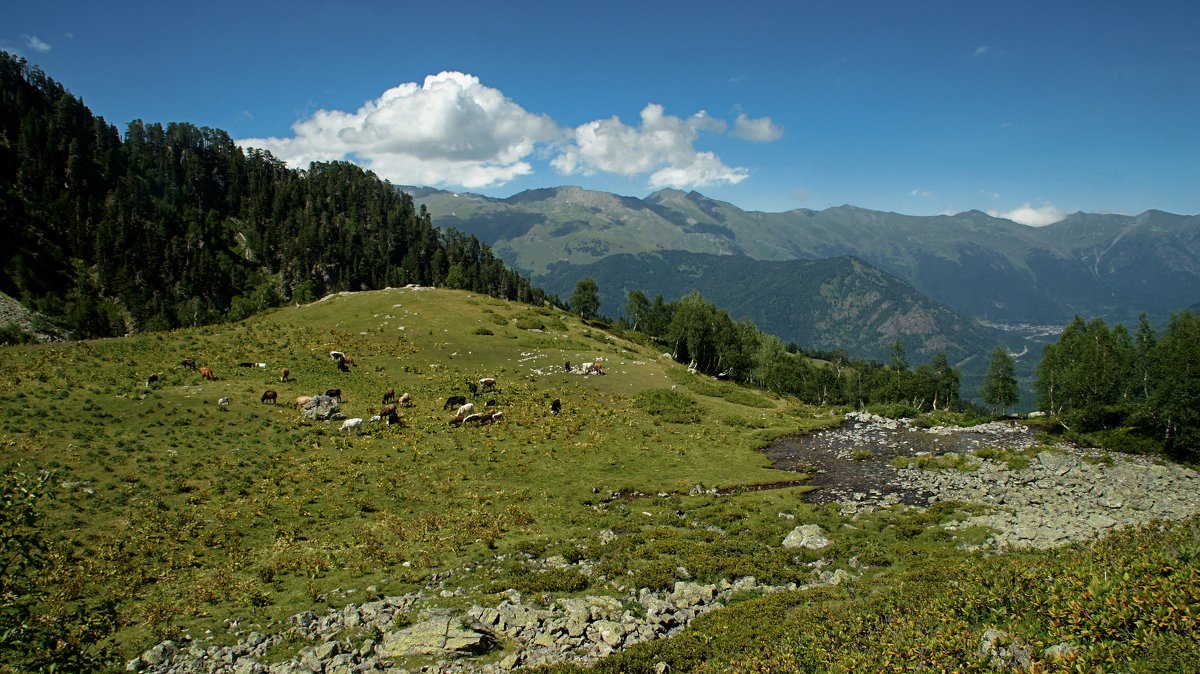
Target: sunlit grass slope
[{"x": 187, "y": 512}]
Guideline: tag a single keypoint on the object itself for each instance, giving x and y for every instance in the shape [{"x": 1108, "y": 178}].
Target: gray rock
[
  {"x": 442, "y": 636},
  {"x": 320, "y": 408},
  {"x": 808, "y": 536}
]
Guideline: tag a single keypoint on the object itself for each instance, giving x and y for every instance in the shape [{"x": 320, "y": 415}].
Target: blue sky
[{"x": 1025, "y": 109}]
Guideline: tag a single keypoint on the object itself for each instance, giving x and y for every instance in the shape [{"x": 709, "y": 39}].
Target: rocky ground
[{"x": 1063, "y": 494}]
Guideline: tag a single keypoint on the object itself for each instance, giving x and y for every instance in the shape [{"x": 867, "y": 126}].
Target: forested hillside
[{"x": 177, "y": 226}]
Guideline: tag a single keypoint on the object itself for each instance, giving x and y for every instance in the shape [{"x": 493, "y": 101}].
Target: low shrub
[{"x": 669, "y": 405}]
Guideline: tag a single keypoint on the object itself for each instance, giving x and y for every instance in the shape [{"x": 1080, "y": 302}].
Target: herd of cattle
[{"x": 464, "y": 410}]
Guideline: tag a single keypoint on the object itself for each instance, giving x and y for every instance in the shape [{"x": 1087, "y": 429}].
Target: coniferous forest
[{"x": 177, "y": 226}]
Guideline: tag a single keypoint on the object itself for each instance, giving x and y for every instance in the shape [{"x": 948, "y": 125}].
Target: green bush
[{"x": 669, "y": 405}]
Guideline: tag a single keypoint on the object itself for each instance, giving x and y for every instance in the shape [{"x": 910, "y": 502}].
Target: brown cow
[
  {"x": 406, "y": 400},
  {"x": 189, "y": 363},
  {"x": 388, "y": 396},
  {"x": 388, "y": 410},
  {"x": 207, "y": 373},
  {"x": 269, "y": 395},
  {"x": 301, "y": 401},
  {"x": 285, "y": 375}
]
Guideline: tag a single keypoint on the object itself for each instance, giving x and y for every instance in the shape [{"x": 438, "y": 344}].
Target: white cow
[
  {"x": 466, "y": 409},
  {"x": 350, "y": 425}
]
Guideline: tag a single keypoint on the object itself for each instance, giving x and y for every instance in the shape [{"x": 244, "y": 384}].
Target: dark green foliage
[
  {"x": 1127, "y": 393},
  {"x": 178, "y": 226},
  {"x": 669, "y": 405},
  {"x": 585, "y": 301},
  {"x": 36, "y": 634},
  {"x": 1000, "y": 382}
]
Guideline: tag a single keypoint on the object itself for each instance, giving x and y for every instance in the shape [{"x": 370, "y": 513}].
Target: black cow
[
  {"x": 454, "y": 401},
  {"x": 555, "y": 406},
  {"x": 334, "y": 393}
]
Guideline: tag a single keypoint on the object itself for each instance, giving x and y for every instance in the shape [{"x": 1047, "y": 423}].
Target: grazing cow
[
  {"x": 189, "y": 363},
  {"x": 465, "y": 409},
  {"x": 586, "y": 368},
  {"x": 285, "y": 375},
  {"x": 567, "y": 366},
  {"x": 269, "y": 395},
  {"x": 334, "y": 393},
  {"x": 336, "y": 355},
  {"x": 350, "y": 425},
  {"x": 494, "y": 417},
  {"x": 456, "y": 421},
  {"x": 224, "y": 402},
  {"x": 454, "y": 401},
  {"x": 406, "y": 400},
  {"x": 388, "y": 409},
  {"x": 301, "y": 401},
  {"x": 555, "y": 406},
  {"x": 488, "y": 383},
  {"x": 153, "y": 378},
  {"x": 392, "y": 419},
  {"x": 472, "y": 418},
  {"x": 347, "y": 360},
  {"x": 389, "y": 396},
  {"x": 473, "y": 387},
  {"x": 246, "y": 364},
  {"x": 490, "y": 403},
  {"x": 342, "y": 366},
  {"x": 207, "y": 373}
]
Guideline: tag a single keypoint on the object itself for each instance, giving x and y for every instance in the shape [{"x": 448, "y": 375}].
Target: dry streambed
[{"x": 1064, "y": 494}]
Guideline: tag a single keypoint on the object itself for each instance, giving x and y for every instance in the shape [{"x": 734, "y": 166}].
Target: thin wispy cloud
[
  {"x": 924, "y": 194},
  {"x": 980, "y": 51},
  {"x": 761, "y": 130},
  {"x": 454, "y": 130},
  {"x": 36, "y": 44},
  {"x": 1030, "y": 215}
]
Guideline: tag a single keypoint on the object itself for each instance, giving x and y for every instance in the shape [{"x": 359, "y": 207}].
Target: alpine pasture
[
  {"x": 191, "y": 509},
  {"x": 187, "y": 513}
]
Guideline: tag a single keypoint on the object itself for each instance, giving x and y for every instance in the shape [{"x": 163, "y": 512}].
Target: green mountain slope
[
  {"x": 990, "y": 268},
  {"x": 833, "y": 303}
]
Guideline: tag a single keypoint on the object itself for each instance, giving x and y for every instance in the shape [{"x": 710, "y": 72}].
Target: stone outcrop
[
  {"x": 320, "y": 408},
  {"x": 517, "y": 633}
]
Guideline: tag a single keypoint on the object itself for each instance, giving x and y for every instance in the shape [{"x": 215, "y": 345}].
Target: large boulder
[
  {"x": 320, "y": 408},
  {"x": 808, "y": 536},
  {"x": 439, "y": 636}
]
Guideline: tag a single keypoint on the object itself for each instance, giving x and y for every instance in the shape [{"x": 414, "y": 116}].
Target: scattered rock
[{"x": 808, "y": 536}]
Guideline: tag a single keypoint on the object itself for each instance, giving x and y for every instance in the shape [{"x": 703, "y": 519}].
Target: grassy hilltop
[
  {"x": 182, "y": 514},
  {"x": 196, "y": 511}
]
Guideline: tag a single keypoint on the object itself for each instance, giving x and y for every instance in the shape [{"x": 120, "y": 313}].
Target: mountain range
[{"x": 987, "y": 268}]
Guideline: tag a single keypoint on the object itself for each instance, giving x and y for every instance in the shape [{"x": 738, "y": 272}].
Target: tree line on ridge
[{"x": 178, "y": 226}]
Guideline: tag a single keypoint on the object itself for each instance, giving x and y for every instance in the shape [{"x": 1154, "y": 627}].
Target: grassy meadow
[{"x": 183, "y": 514}]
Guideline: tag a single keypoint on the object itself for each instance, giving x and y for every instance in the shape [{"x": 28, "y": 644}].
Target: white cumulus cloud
[
  {"x": 664, "y": 145},
  {"x": 454, "y": 130},
  {"x": 449, "y": 130},
  {"x": 761, "y": 130},
  {"x": 1027, "y": 214}
]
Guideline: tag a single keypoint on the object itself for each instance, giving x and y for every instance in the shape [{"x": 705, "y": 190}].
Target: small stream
[{"x": 842, "y": 473}]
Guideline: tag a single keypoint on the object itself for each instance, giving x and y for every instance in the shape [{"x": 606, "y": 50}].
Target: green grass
[{"x": 184, "y": 513}]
